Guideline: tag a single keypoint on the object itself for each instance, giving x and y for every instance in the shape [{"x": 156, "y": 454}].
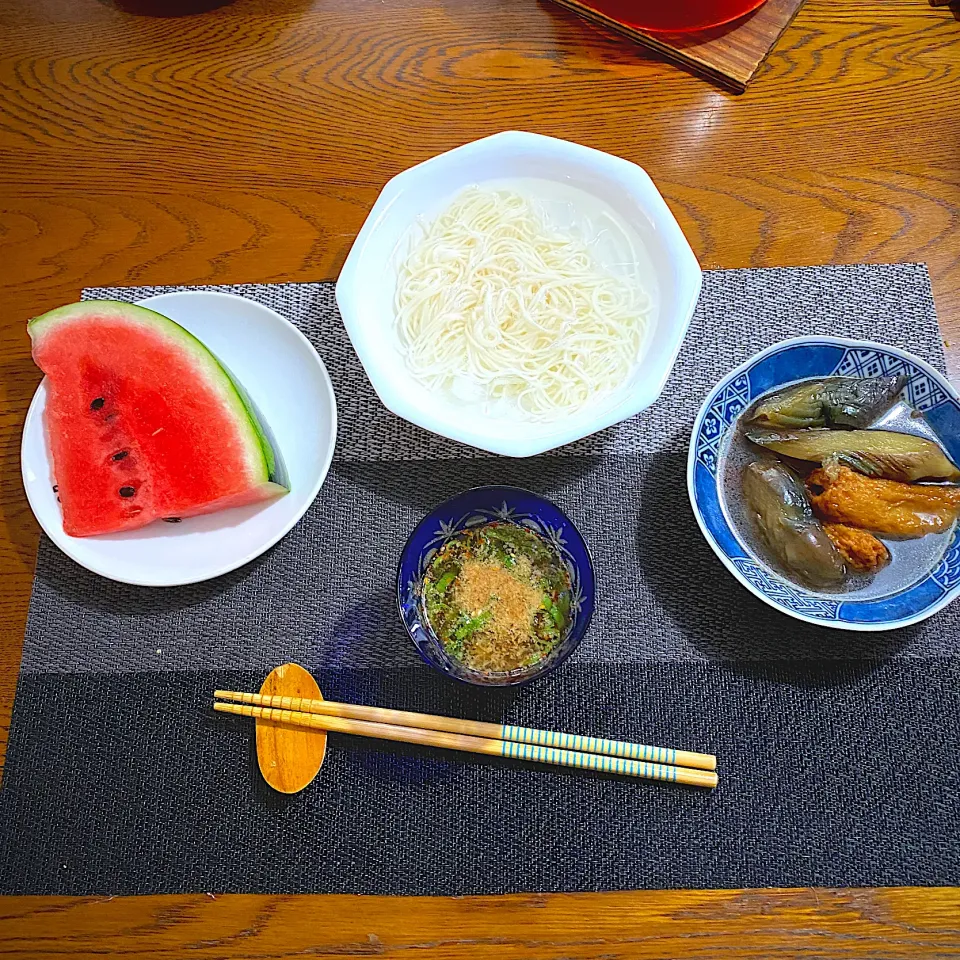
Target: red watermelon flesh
[{"x": 143, "y": 422}]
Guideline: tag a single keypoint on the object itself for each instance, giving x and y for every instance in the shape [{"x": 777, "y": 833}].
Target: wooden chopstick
[
  {"x": 477, "y": 728},
  {"x": 471, "y": 744}
]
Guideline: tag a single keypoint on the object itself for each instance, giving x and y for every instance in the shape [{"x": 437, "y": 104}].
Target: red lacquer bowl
[{"x": 673, "y": 15}]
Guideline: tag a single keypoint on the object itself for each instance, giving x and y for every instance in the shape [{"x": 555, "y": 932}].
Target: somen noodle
[{"x": 494, "y": 304}]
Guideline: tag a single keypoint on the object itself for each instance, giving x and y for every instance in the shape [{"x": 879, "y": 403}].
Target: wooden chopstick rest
[{"x": 290, "y": 756}]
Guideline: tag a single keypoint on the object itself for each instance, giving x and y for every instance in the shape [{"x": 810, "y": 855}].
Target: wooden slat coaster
[{"x": 730, "y": 54}]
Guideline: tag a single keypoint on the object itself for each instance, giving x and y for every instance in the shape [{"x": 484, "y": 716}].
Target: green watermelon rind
[
  {"x": 226, "y": 384},
  {"x": 274, "y": 470}
]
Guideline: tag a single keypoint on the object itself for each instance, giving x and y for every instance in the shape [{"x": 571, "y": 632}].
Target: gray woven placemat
[{"x": 832, "y": 745}]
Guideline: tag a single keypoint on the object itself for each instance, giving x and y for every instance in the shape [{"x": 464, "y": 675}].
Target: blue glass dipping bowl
[{"x": 472, "y": 508}]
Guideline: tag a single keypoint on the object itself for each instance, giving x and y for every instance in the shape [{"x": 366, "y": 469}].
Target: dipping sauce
[{"x": 497, "y": 597}]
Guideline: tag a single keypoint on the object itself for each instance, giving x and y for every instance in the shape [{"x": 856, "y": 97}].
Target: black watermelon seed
[
  {"x": 98, "y": 403},
  {"x": 55, "y": 488},
  {"x": 120, "y": 454},
  {"x": 127, "y": 491},
  {"x": 171, "y": 519}
]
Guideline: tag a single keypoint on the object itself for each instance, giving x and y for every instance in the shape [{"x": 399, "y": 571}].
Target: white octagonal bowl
[{"x": 367, "y": 284}]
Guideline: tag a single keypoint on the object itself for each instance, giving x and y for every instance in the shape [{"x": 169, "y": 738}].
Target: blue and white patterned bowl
[
  {"x": 469, "y": 509},
  {"x": 915, "y": 591}
]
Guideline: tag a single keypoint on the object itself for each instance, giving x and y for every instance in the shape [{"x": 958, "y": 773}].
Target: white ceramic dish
[
  {"x": 367, "y": 284},
  {"x": 289, "y": 385}
]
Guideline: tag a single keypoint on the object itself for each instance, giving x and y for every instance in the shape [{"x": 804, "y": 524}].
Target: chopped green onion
[
  {"x": 471, "y": 625},
  {"x": 445, "y": 581}
]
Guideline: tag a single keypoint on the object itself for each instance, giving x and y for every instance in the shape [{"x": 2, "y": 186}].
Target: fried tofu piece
[
  {"x": 861, "y": 550},
  {"x": 842, "y": 495}
]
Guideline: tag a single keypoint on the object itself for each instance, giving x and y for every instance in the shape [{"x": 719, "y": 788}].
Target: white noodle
[{"x": 493, "y": 301}]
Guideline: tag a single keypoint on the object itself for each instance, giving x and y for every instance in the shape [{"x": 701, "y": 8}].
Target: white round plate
[{"x": 289, "y": 384}]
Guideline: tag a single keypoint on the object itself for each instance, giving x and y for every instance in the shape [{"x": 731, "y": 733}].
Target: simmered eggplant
[
  {"x": 784, "y": 518},
  {"x": 857, "y": 402},
  {"x": 875, "y": 453},
  {"x": 799, "y": 406},
  {"x": 839, "y": 402}
]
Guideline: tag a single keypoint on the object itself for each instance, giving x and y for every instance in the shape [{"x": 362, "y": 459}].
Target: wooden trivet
[{"x": 729, "y": 54}]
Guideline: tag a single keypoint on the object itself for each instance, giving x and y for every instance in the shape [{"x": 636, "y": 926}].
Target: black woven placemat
[{"x": 838, "y": 751}]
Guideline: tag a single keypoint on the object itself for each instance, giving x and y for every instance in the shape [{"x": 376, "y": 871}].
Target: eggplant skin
[
  {"x": 874, "y": 453},
  {"x": 781, "y": 510},
  {"x": 848, "y": 402},
  {"x": 856, "y": 402},
  {"x": 797, "y": 406}
]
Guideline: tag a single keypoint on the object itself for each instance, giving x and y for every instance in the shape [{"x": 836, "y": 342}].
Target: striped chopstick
[
  {"x": 491, "y": 731},
  {"x": 494, "y": 748},
  {"x": 472, "y": 744}
]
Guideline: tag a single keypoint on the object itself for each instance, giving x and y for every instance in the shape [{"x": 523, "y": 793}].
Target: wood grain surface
[
  {"x": 247, "y": 144},
  {"x": 892, "y": 924},
  {"x": 730, "y": 54}
]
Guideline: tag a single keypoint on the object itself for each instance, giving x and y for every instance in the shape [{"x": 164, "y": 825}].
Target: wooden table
[{"x": 248, "y": 143}]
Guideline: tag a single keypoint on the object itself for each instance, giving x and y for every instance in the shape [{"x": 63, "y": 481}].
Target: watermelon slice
[{"x": 143, "y": 421}]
